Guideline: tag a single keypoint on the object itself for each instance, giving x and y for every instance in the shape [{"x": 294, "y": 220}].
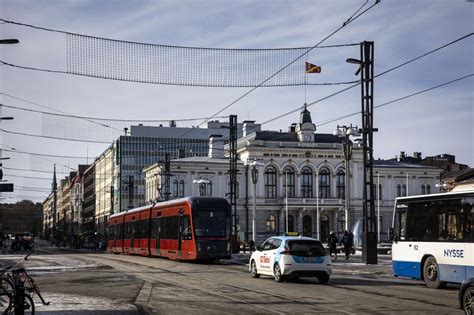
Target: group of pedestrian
[{"x": 347, "y": 243}]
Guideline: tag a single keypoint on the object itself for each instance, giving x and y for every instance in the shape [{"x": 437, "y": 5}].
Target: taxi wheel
[
  {"x": 323, "y": 279},
  {"x": 277, "y": 273},
  {"x": 253, "y": 270}
]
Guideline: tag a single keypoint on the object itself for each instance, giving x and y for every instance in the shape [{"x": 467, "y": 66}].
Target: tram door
[
  {"x": 180, "y": 231},
  {"x": 158, "y": 233},
  {"x": 132, "y": 235}
]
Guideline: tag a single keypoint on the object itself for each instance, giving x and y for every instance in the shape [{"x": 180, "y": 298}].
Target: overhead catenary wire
[
  {"x": 145, "y": 70},
  {"x": 398, "y": 99},
  {"x": 95, "y": 118},
  {"x": 378, "y": 75},
  {"x": 351, "y": 19}
]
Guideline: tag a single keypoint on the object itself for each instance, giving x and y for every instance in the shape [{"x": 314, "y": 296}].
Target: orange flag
[{"x": 310, "y": 68}]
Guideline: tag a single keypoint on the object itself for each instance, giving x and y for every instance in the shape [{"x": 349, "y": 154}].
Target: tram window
[{"x": 169, "y": 228}]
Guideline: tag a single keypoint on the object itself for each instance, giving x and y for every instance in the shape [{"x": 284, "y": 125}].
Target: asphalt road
[{"x": 94, "y": 283}]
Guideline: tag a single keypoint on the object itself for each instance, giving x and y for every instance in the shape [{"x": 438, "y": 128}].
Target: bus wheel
[{"x": 431, "y": 274}]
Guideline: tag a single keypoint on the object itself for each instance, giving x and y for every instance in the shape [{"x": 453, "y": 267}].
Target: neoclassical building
[{"x": 299, "y": 170}]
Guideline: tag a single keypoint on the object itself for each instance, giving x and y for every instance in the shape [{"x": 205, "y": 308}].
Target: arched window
[
  {"x": 181, "y": 188},
  {"x": 428, "y": 189},
  {"x": 423, "y": 191},
  {"x": 291, "y": 223},
  {"x": 341, "y": 184},
  {"x": 324, "y": 183},
  {"x": 307, "y": 182},
  {"x": 270, "y": 182},
  {"x": 175, "y": 188},
  {"x": 289, "y": 181},
  {"x": 399, "y": 190},
  {"x": 271, "y": 223}
]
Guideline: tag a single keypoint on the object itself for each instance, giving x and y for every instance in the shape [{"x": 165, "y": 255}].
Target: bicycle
[{"x": 18, "y": 287}]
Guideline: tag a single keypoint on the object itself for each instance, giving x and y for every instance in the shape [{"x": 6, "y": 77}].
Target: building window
[
  {"x": 428, "y": 189},
  {"x": 271, "y": 223},
  {"x": 399, "y": 190},
  {"x": 324, "y": 183},
  {"x": 379, "y": 192},
  {"x": 307, "y": 182},
  {"x": 423, "y": 191},
  {"x": 181, "y": 188},
  {"x": 209, "y": 189},
  {"x": 289, "y": 181},
  {"x": 270, "y": 182},
  {"x": 175, "y": 188},
  {"x": 341, "y": 184},
  {"x": 404, "y": 190},
  {"x": 291, "y": 223}
]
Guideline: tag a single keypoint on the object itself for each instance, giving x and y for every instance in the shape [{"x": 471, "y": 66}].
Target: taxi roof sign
[{"x": 292, "y": 234}]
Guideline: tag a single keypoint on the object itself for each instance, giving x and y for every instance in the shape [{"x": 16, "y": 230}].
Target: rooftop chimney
[
  {"x": 250, "y": 126},
  {"x": 216, "y": 147}
]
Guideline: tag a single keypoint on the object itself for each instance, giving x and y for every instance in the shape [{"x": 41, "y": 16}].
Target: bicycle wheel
[
  {"x": 29, "y": 304},
  {"x": 6, "y": 303}
]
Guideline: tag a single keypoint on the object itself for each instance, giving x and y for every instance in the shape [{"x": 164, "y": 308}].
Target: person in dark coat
[
  {"x": 348, "y": 243},
  {"x": 332, "y": 243}
]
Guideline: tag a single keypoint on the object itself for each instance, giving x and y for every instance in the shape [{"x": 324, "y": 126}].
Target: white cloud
[{"x": 401, "y": 30}]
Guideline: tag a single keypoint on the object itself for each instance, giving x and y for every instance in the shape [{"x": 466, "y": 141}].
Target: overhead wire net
[{"x": 177, "y": 65}]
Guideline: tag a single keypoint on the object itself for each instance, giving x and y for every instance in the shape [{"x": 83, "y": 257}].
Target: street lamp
[
  {"x": 254, "y": 175},
  {"x": 346, "y": 132}
]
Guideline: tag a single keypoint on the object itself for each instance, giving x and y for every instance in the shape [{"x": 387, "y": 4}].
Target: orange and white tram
[{"x": 193, "y": 228}]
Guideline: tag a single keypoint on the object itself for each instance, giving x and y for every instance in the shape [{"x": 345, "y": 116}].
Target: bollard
[{"x": 19, "y": 300}]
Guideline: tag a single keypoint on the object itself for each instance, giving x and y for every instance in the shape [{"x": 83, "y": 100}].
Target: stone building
[{"x": 299, "y": 170}]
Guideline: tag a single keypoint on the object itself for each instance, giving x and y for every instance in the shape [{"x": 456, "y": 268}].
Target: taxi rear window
[{"x": 306, "y": 248}]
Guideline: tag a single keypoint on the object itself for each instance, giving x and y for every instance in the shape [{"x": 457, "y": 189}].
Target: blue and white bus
[{"x": 433, "y": 237}]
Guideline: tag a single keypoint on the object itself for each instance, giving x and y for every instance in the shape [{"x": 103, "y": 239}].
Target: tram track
[
  {"x": 213, "y": 288},
  {"x": 251, "y": 297}
]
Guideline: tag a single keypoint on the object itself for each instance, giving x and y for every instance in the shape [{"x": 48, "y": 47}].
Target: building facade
[{"x": 300, "y": 179}]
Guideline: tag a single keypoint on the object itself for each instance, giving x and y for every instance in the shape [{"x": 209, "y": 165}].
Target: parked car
[
  {"x": 466, "y": 296},
  {"x": 291, "y": 257}
]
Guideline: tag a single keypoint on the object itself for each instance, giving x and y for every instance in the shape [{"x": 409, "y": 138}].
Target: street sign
[{"x": 6, "y": 187}]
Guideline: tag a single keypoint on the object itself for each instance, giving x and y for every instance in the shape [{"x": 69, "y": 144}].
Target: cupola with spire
[{"x": 305, "y": 129}]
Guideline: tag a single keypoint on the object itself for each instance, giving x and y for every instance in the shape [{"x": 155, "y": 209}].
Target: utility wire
[
  {"x": 29, "y": 170},
  {"x": 351, "y": 19},
  {"x": 378, "y": 75},
  {"x": 94, "y": 118},
  {"x": 30, "y": 177},
  {"x": 398, "y": 99},
  {"x": 4, "y": 63},
  {"x": 160, "y": 45}
]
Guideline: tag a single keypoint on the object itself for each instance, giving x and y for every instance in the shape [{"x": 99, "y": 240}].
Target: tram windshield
[{"x": 212, "y": 224}]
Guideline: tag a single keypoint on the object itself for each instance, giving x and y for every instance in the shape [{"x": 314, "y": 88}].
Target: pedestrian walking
[
  {"x": 332, "y": 243},
  {"x": 348, "y": 242}
]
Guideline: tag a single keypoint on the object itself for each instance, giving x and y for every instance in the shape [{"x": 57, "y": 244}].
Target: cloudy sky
[{"x": 436, "y": 122}]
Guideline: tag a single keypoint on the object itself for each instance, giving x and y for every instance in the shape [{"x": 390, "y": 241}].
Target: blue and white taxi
[{"x": 291, "y": 257}]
